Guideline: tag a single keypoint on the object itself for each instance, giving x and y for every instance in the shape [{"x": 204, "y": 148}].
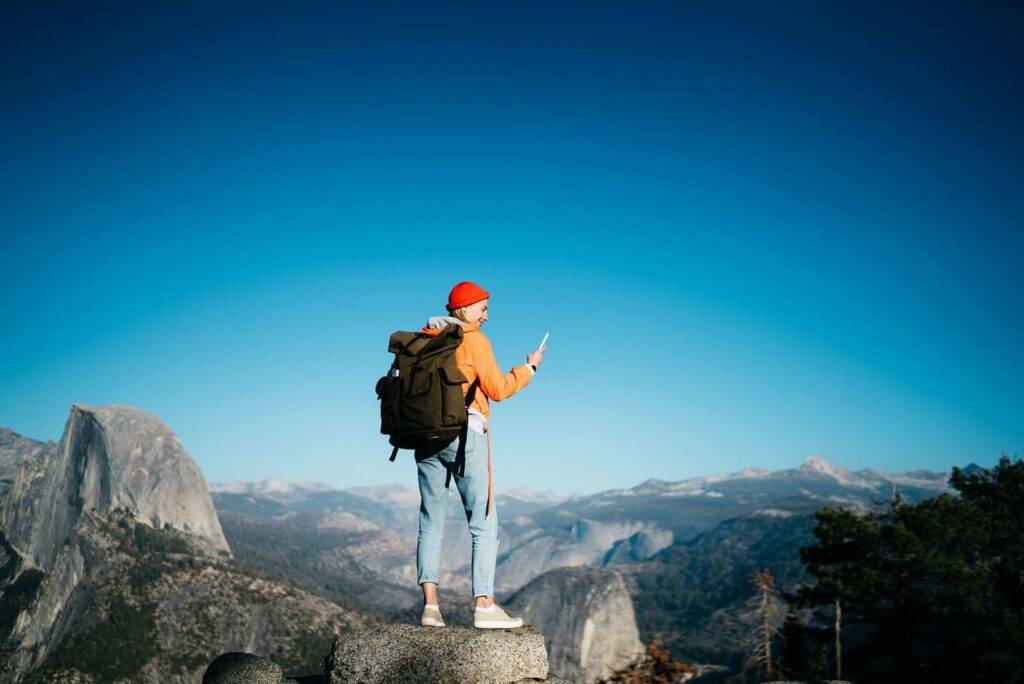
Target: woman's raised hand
[{"x": 536, "y": 358}]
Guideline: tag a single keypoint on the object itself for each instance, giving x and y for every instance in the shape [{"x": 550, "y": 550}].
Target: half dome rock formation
[
  {"x": 110, "y": 458},
  {"x": 587, "y": 615},
  {"x": 86, "y": 524}
]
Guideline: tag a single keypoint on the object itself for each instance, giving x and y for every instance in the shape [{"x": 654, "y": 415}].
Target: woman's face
[{"x": 477, "y": 313}]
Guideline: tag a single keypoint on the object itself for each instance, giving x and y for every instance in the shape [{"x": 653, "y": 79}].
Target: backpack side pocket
[
  {"x": 453, "y": 401},
  {"x": 388, "y": 393},
  {"x": 418, "y": 408}
]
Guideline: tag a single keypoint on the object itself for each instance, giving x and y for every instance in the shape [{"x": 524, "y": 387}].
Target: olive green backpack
[{"x": 421, "y": 402}]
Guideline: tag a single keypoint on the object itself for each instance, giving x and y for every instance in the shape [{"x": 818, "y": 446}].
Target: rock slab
[
  {"x": 242, "y": 668},
  {"x": 426, "y": 655}
]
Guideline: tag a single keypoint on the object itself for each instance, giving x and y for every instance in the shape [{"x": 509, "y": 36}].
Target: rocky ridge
[{"x": 542, "y": 532}]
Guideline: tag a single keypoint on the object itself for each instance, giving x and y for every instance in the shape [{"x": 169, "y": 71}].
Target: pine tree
[
  {"x": 793, "y": 649},
  {"x": 837, "y": 631},
  {"x": 766, "y": 606},
  {"x": 837, "y": 562}
]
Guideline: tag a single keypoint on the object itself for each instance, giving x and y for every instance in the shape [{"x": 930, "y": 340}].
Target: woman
[{"x": 467, "y": 304}]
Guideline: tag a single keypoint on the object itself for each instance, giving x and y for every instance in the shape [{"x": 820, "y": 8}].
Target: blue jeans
[{"x": 432, "y": 466}]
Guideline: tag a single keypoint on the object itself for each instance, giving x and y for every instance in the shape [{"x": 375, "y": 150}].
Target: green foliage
[
  {"x": 679, "y": 593},
  {"x": 118, "y": 637},
  {"x": 115, "y": 647},
  {"x": 136, "y": 538},
  {"x": 931, "y": 581},
  {"x": 302, "y": 652},
  {"x": 843, "y": 541},
  {"x": 802, "y": 652},
  {"x": 122, "y": 639}
]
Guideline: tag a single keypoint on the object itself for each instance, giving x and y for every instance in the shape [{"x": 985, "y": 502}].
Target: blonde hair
[{"x": 460, "y": 313}]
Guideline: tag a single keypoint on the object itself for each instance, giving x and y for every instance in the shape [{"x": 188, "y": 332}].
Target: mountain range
[
  {"x": 543, "y": 531},
  {"x": 115, "y": 525},
  {"x": 679, "y": 553}
]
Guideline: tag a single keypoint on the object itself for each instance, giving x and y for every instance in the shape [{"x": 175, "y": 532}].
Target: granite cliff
[
  {"x": 110, "y": 458},
  {"x": 113, "y": 565},
  {"x": 587, "y": 616}
]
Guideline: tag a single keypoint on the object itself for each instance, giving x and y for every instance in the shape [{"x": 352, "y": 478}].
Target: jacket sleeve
[{"x": 495, "y": 384}]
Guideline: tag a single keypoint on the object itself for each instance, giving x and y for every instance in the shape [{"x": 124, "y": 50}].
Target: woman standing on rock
[{"x": 467, "y": 304}]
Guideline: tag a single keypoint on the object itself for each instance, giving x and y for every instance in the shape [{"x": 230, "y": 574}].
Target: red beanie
[{"x": 464, "y": 294}]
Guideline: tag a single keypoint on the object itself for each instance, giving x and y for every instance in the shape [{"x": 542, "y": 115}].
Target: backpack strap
[
  {"x": 460, "y": 455},
  {"x": 394, "y": 452},
  {"x": 471, "y": 392},
  {"x": 459, "y": 466}
]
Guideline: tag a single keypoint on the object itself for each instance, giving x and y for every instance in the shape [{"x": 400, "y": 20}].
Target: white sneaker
[
  {"x": 494, "y": 618},
  {"x": 431, "y": 616}
]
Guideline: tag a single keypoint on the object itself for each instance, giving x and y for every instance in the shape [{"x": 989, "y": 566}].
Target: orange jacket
[{"x": 475, "y": 358}]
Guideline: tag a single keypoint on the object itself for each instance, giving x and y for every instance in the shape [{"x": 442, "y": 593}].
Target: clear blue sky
[{"x": 754, "y": 231}]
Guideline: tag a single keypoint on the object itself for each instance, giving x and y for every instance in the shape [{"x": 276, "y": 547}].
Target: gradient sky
[{"x": 755, "y": 232}]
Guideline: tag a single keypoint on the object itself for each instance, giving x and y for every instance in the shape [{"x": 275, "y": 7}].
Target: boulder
[
  {"x": 422, "y": 655},
  {"x": 242, "y": 668}
]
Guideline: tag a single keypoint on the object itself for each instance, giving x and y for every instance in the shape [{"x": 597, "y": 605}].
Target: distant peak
[
  {"x": 817, "y": 464},
  {"x": 751, "y": 472}
]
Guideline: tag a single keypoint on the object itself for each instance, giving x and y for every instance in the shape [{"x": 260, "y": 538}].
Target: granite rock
[
  {"x": 421, "y": 655},
  {"x": 242, "y": 668}
]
